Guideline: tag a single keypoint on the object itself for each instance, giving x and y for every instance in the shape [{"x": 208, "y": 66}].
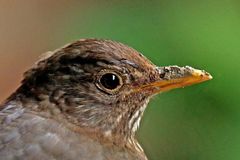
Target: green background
[{"x": 201, "y": 122}]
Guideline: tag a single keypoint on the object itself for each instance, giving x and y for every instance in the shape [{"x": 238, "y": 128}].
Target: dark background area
[{"x": 200, "y": 122}]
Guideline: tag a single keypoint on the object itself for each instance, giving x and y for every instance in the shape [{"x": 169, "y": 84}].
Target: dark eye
[{"x": 109, "y": 81}]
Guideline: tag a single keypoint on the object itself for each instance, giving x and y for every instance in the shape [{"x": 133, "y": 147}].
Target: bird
[{"x": 85, "y": 101}]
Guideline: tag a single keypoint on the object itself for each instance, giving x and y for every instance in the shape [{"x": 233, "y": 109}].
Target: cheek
[{"x": 95, "y": 95}]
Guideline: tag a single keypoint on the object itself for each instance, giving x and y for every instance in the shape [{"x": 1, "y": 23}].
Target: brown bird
[{"x": 85, "y": 101}]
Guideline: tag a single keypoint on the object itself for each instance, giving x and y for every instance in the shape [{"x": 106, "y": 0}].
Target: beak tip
[
  {"x": 205, "y": 76},
  {"x": 210, "y": 77}
]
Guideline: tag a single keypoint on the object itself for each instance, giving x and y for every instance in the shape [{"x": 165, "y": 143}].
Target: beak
[{"x": 172, "y": 77}]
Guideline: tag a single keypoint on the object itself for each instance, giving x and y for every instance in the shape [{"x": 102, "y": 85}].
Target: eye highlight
[{"x": 109, "y": 81}]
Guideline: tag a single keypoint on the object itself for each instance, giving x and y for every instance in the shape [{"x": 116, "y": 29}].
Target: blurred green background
[{"x": 200, "y": 122}]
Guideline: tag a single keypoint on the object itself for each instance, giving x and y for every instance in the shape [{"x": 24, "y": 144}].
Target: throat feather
[{"x": 135, "y": 119}]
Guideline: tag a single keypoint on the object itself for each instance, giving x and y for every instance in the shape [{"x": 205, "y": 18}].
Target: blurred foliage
[{"x": 200, "y": 122}]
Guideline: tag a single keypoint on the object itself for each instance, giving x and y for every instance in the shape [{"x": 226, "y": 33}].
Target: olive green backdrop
[{"x": 200, "y": 122}]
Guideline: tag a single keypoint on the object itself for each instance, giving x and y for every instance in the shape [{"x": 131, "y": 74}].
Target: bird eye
[{"x": 109, "y": 82}]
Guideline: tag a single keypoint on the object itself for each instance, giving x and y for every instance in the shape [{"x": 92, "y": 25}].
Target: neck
[{"x": 112, "y": 124}]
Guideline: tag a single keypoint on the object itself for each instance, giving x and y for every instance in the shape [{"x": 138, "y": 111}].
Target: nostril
[{"x": 162, "y": 75}]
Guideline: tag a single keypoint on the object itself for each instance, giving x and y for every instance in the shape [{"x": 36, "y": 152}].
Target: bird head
[{"x": 101, "y": 85}]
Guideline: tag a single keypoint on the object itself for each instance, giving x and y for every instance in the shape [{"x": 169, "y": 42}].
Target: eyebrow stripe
[{"x": 129, "y": 63}]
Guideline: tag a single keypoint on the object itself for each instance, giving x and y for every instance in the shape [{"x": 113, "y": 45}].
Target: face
[
  {"x": 103, "y": 85},
  {"x": 94, "y": 83}
]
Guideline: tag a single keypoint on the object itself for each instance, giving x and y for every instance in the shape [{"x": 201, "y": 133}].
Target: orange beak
[{"x": 172, "y": 77}]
